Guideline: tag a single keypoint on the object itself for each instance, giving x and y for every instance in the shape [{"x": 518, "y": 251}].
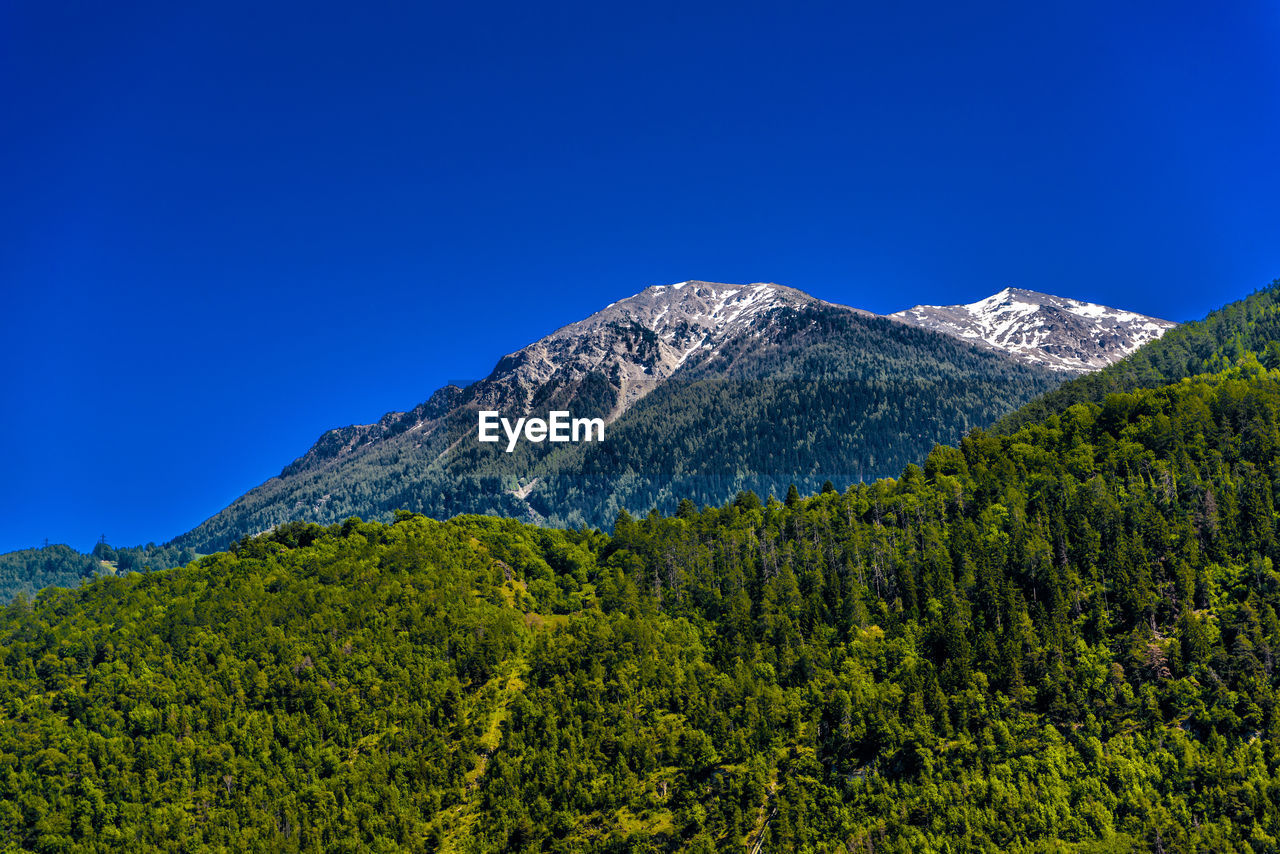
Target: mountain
[
  {"x": 1041, "y": 329},
  {"x": 707, "y": 389},
  {"x": 1060, "y": 639}
]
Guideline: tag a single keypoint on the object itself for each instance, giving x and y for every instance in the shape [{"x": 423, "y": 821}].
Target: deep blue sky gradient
[{"x": 230, "y": 226}]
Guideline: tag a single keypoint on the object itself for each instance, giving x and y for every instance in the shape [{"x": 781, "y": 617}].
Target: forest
[
  {"x": 28, "y": 571},
  {"x": 1054, "y": 636},
  {"x": 1059, "y": 636}
]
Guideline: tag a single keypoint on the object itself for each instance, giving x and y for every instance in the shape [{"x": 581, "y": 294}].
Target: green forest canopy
[{"x": 1066, "y": 635}]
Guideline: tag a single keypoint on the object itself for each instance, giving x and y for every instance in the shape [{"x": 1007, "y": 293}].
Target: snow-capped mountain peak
[
  {"x": 1056, "y": 332},
  {"x": 607, "y": 362},
  {"x": 643, "y": 339},
  {"x": 708, "y": 305}
]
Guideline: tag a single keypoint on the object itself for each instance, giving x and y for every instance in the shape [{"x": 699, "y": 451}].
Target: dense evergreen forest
[{"x": 1062, "y": 638}]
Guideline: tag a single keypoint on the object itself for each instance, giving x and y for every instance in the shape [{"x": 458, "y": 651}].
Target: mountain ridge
[
  {"x": 1061, "y": 333},
  {"x": 735, "y": 362},
  {"x": 523, "y": 370}
]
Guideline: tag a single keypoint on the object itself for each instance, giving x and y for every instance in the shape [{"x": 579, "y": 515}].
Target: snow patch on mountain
[{"x": 1057, "y": 332}]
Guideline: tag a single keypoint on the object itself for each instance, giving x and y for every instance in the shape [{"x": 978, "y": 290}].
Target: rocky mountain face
[
  {"x": 1041, "y": 329},
  {"x": 600, "y": 366}
]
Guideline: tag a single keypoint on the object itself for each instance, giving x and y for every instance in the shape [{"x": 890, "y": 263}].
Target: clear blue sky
[{"x": 230, "y": 226}]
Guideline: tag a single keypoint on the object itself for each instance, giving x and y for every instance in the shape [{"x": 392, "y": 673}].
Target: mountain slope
[
  {"x": 708, "y": 389},
  {"x": 1041, "y": 329}
]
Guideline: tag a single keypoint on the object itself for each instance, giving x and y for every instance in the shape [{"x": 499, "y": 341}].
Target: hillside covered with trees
[
  {"x": 1060, "y": 638},
  {"x": 28, "y": 571}
]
